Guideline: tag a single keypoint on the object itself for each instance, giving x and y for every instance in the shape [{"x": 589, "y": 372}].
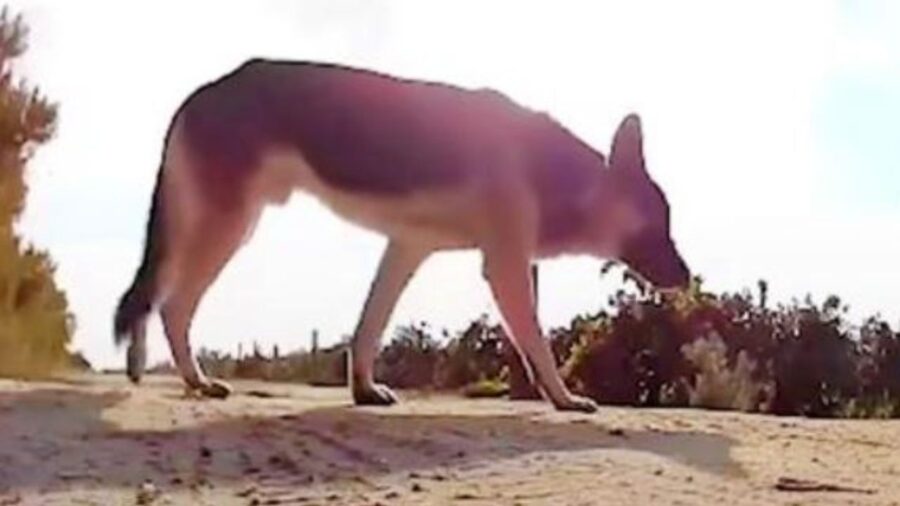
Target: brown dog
[{"x": 430, "y": 166}]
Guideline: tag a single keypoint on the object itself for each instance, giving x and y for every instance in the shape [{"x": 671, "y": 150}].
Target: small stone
[{"x": 147, "y": 493}]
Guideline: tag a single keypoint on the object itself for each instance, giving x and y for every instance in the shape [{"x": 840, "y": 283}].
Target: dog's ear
[{"x": 628, "y": 145}]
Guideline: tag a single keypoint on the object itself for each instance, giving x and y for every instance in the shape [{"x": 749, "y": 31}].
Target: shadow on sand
[{"x": 55, "y": 438}]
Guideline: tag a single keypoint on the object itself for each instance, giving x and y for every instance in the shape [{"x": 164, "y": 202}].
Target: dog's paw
[
  {"x": 577, "y": 403},
  {"x": 374, "y": 395},
  {"x": 216, "y": 389},
  {"x": 136, "y": 360}
]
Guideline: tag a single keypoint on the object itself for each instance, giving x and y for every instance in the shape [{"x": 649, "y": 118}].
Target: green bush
[
  {"x": 476, "y": 354},
  {"x": 410, "y": 359},
  {"x": 35, "y": 323},
  {"x": 802, "y": 358},
  {"x": 630, "y": 356}
]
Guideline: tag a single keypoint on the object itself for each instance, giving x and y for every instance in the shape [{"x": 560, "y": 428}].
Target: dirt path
[{"x": 97, "y": 440}]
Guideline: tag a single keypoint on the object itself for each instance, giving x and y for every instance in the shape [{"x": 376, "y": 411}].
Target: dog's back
[{"x": 360, "y": 131}]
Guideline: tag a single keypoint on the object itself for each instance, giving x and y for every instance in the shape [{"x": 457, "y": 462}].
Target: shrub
[
  {"x": 717, "y": 384},
  {"x": 802, "y": 358},
  {"x": 879, "y": 364},
  {"x": 35, "y": 323},
  {"x": 692, "y": 348},
  {"x": 814, "y": 366},
  {"x": 476, "y": 354},
  {"x": 410, "y": 359},
  {"x": 324, "y": 367},
  {"x": 629, "y": 356}
]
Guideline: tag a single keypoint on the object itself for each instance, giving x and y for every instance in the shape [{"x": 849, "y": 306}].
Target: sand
[{"x": 98, "y": 440}]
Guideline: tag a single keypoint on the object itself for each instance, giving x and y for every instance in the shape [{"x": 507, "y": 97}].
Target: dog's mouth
[{"x": 655, "y": 262}]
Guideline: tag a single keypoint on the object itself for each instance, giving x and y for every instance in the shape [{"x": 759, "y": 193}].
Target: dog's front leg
[
  {"x": 509, "y": 275},
  {"x": 398, "y": 264}
]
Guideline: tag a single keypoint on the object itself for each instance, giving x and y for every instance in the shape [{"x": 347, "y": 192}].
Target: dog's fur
[{"x": 430, "y": 166}]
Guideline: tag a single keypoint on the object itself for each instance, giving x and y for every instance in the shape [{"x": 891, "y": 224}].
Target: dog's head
[{"x": 645, "y": 243}]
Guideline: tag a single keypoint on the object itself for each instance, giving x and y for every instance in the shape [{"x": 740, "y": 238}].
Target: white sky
[{"x": 755, "y": 118}]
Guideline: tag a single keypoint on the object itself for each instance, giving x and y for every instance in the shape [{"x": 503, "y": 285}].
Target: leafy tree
[{"x": 35, "y": 324}]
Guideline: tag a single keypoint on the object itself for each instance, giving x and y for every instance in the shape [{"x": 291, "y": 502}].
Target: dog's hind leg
[
  {"x": 200, "y": 257},
  {"x": 397, "y": 266}
]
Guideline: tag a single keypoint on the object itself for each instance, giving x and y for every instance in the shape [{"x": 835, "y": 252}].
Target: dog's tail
[{"x": 141, "y": 297}]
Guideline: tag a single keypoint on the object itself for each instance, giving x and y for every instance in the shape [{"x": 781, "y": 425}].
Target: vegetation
[
  {"x": 320, "y": 367},
  {"x": 474, "y": 361},
  {"x": 733, "y": 351},
  {"x": 35, "y": 324},
  {"x": 694, "y": 348}
]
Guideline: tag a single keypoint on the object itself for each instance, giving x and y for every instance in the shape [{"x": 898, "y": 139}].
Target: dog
[{"x": 430, "y": 166}]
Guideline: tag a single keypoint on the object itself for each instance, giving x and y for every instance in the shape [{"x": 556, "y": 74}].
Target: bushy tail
[{"x": 138, "y": 301}]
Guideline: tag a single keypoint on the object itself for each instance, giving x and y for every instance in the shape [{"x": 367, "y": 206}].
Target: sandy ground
[{"x": 98, "y": 440}]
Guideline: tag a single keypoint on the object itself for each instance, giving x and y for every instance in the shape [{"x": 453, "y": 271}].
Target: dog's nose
[
  {"x": 685, "y": 280},
  {"x": 684, "y": 277},
  {"x": 679, "y": 278}
]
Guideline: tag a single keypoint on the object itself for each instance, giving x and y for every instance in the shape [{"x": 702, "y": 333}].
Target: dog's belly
[{"x": 443, "y": 218}]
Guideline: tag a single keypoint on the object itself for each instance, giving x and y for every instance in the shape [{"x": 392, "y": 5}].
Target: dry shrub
[
  {"x": 35, "y": 323},
  {"x": 324, "y": 367},
  {"x": 720, "y": 385}
]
